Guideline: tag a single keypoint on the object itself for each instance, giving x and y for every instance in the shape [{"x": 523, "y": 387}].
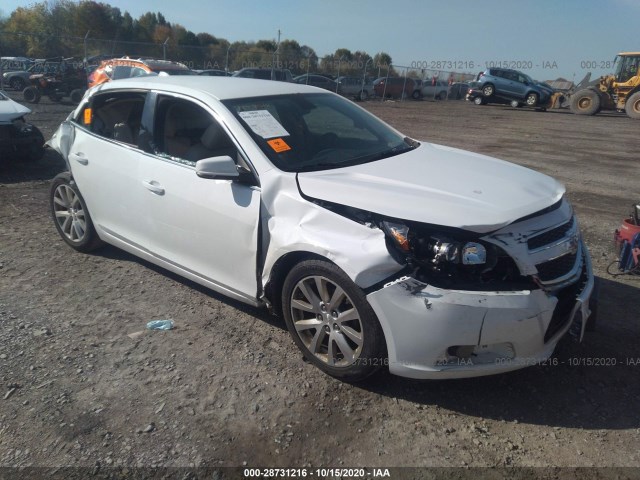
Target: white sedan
[{"x": 377, "y": 249}]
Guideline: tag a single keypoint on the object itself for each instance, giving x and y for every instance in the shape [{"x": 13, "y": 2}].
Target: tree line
[{"x": 68, "y": 28}]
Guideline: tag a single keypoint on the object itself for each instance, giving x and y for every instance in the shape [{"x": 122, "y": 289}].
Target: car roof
[{"x": 221, "y": 88}]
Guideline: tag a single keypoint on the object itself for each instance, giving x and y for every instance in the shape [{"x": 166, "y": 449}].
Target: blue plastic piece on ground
[{"x": 160, "y": 325}]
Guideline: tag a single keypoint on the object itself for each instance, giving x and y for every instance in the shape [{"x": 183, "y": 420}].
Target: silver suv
[{"x": 513, "y": 85}]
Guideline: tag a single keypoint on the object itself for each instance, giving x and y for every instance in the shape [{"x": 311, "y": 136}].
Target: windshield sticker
[
  {"x": 263, "y": 124},
  {"x": 279, "y": 145}
]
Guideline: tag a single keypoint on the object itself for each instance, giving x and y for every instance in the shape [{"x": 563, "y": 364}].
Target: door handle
[
  {"x": 80, "y": 158},
  {"x": 153, "y": 186}
]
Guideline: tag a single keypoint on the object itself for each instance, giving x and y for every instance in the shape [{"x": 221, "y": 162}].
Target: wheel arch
[{"x": 279, "y": 271}]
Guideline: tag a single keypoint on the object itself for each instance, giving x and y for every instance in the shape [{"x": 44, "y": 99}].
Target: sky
[{"x": 543, "y": 38}]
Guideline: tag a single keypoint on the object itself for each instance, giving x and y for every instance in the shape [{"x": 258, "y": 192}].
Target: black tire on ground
[
  {"x": 479, "y": 101},
  {"x": 632, "y": 106},
  {"x": 331, "y": 321},
  {"x": 364, "y": 95},
  {"x": 515, "y": 103},
  {"x": 416, "y": 95},
  {"x": 31, "y": 94},
  {"x": 17, "y": 83},
  {"x": 71, "y": 216},
  {"x": 488, "y": 90},
  {"x": 76, "y": 95},
  {"x": 585, "y": 102},
  {"x": 531, "y": 99},
  {"x": 593, "y": 306}
]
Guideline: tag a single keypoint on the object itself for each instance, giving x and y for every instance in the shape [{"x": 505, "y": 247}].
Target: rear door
[
  {"x": 204, "y": 227},
  {"x": 104, "y": 159}
]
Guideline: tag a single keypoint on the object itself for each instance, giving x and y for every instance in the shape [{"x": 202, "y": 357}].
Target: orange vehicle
[{"x": 117, "y": 68}]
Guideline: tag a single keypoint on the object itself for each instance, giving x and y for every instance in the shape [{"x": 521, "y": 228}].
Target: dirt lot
[{"x": 84, "y": 384}]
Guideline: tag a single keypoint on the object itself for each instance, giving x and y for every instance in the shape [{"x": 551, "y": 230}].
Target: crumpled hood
[
  {"x": 438, "y": 185},
  {"x": 10, "y": 110}
]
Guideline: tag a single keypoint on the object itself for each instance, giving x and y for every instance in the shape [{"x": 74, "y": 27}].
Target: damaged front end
[
  {"x": 18, "y": 138},
  {"x": 477, "y": 304}
]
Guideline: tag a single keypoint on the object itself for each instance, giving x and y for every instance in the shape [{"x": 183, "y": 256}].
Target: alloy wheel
[
  {"x": 327, "y": 321},
  {"x": 69, "y": 213}
]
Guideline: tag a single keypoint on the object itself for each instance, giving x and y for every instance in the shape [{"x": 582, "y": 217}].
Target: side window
[
  {"x": 121, "y": 71},
  {"x": 185, "y": 132},
  {"x": 116, "y": 116},
  {"x": 138, "y": 72}
]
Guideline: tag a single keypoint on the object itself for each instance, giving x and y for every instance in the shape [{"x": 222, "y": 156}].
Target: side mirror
[{"x": 217, "y": 168}]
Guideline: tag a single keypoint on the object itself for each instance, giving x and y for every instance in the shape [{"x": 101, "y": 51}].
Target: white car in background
[{"x": 378, "y": 250}]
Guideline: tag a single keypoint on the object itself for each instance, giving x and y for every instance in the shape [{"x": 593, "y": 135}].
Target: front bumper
[{"x": 436, "y": 333}]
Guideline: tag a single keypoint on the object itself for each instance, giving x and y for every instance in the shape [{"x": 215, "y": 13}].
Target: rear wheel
[
  {"x": 331, "y": 321},
  {"x": 585, "y": 102},
  {"x": 31, "y": 94},
  {"x": 363, "y": 95},
  {"x": 71, "y": 216},
  {"x": 632, "y": 107}
]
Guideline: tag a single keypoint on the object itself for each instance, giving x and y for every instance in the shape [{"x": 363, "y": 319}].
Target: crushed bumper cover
[{"x": 436, "y": 333}]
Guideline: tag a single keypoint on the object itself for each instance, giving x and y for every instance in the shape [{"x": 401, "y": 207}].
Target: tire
[
  {"x": 488, "y": 90},
  {"x": 479, "y": 101},
  {"x": 514, "y": 103},
  {"x": 585, "y": 102},
  {"x": 416, "y": 95},
  {"x": 70, "y": 215},
  {"x": 531, "y": 99},
  {"x": 632, "y": 106},
  {"x": 350, "y": 349},
  {"x": 31, "y": 94},
  {"x": 364, "y": 95},
  {"x": 593, "y": 306},
  {"x": 442, "y": 96},
  {"x": 17, "y": 83},
  {"x": 76, "y": 95}
]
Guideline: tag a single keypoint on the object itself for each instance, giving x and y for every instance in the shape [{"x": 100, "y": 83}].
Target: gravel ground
[{"x": 83, "y": 384}]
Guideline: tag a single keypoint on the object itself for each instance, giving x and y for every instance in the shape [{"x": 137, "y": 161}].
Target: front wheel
[
  {"x": 478, "y": 101},
  {"x": 363, "y": 95},
  {"x": 632, "y": 106},
  {"x": 585, "y": 102},
  {"x": 331, "y": 321},
  {"x": 488, "y": 90},
  {"x": 71, "y": 216},
  {"x": 531, "y": 100},
  {"x": 17, "y": 83}
]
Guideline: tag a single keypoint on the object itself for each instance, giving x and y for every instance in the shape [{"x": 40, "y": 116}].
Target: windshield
[{"x": 307, "y": 132}]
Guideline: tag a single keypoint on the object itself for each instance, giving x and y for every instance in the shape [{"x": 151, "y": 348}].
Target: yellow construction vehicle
[{"x": 620, "y": 91}]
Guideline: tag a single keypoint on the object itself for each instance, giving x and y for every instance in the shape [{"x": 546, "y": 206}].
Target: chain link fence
[{"x": 87, "y": 52}]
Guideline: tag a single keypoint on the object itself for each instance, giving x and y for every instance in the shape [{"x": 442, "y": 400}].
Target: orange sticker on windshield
[
  {"x": 87, "y": 116},
  {"x": 279, "y": 145}
]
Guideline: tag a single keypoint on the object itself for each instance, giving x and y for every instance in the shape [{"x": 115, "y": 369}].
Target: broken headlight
[
  {"x": 435, "y": 248},
  {"x": 451, "y": 257}
]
